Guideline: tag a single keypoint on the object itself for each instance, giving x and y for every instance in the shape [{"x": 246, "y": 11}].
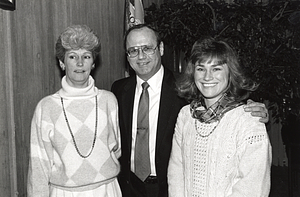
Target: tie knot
[{"x": 145, "y": 86}]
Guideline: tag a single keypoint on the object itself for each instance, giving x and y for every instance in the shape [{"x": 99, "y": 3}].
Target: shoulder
[
  {"x": 47, "y": 105},
  {"x": 105, "y": 95},
  {"x": 184, "y": 122},
  {"x": 184, "y": 112},
  {"x": 48, "y": 101},
  {"x": 122, "y": 82},
  {"x": 169, "y": 77},
  {"x": 243, "y": 123},
  {"x": 240, "y": 115},
  {"x": 185, "y": 109}
]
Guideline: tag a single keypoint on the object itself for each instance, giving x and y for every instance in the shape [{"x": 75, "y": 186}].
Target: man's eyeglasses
[{"x": 134, "y": 51}]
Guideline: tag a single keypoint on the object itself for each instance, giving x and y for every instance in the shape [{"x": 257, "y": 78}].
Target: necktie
[{"x": 142, "y": 159}]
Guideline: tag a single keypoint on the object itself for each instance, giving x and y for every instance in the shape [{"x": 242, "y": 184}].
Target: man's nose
[{"x": 141, "y": 54}]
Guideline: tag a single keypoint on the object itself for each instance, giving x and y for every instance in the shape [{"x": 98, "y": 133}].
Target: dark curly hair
[{"x": 207, "y": 48}]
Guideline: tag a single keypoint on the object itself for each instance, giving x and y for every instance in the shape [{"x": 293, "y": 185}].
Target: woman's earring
[{"x": 63, "y": 67}]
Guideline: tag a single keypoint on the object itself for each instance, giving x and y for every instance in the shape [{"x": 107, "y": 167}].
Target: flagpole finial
[{"x": 134, "y": 13}]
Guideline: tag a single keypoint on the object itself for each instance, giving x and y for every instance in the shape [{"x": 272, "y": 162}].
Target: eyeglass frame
[{"x": 138, "y": 48}]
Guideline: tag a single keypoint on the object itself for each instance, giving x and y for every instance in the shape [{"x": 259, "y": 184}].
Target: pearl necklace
[
  {"x": 196, "y": 127},
  {"x": 73, "y": 138}
]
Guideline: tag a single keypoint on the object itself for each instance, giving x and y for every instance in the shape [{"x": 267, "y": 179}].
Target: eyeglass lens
[{"x": 134, "y": 51}]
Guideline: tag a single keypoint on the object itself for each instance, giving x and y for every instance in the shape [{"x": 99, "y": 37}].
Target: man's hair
[{"x": 141, "y": 26}]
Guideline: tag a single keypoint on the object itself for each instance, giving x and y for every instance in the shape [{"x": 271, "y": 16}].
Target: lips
[
  {"x": 142, "y": 63},
  {"x": 79, "y": 71}
]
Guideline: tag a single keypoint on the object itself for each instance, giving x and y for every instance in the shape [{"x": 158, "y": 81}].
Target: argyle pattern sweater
[{"x": 54, "y": 161}]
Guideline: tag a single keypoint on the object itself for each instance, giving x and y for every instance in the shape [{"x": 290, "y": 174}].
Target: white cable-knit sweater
[
  {"x": 54, "y": 161},
  {"x": 234, "y": 160}
]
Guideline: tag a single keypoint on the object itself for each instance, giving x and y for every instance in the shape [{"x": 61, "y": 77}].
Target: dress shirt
[{"x": 154, "y": 90}]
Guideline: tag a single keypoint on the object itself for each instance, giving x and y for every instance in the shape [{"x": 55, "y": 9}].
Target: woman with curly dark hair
[{"x": 218, "y": 149}]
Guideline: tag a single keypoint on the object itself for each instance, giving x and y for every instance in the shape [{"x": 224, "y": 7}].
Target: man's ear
[{"x": 161, "y": 48}]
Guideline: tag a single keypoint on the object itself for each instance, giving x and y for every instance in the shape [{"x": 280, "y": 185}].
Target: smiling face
[
  {"x": 144, "y": 65},
  {"x": 211, "y": 78},
  {"x": 78, "y": 65}
]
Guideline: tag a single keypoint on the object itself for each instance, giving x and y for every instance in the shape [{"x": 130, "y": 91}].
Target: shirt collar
[{"x": 154, "y": 82}]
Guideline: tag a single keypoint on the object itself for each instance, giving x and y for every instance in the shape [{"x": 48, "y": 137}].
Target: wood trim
[{"x": 10, "y": 105}]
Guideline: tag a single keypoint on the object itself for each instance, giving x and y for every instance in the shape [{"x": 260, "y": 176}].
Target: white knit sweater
[
  {"x": 54, "y": 161},
  {"x": 234, "y": 160}
]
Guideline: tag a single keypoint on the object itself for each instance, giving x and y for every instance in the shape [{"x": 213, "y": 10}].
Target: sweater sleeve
[
  {"x": 39, "y": 162},
  {"x": 117, "y": 130},
  {"x": 176, "y": 168},
  {"x": 254, "y": 155}
]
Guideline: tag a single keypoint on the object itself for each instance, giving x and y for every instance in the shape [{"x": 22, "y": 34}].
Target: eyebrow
[
  {"x": 214, "y": 65},
  {"x": 73, "y": 52},
  {"x": 134, "y": 47}
]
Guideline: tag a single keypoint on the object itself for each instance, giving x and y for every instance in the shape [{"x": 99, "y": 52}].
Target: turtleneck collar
[{"x": 68, "y": 91}]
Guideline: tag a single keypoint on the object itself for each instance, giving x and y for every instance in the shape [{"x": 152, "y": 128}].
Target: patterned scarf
[{"x": 215, "y": 112}]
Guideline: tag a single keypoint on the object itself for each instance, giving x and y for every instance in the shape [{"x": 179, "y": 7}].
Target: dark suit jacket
[{"x": 170, "y": 104}]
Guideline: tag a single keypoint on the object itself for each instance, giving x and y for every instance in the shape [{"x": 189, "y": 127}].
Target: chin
[{"x": 210, "y": 96}]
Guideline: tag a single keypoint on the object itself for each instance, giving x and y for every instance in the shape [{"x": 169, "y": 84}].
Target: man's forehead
[
  {"x": 142, "y": 32},
  {"x": 139, "y": 38}
]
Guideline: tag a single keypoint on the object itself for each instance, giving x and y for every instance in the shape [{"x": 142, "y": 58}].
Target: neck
[{"x": 211, "y": 101}]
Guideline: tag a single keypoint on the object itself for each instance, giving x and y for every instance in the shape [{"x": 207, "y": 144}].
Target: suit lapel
[
  {"x": 127, "y": 103},
  {"x": 166, "y": 106}
]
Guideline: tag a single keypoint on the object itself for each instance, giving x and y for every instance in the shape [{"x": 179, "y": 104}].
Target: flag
[
  {"x": 134, "y": 13},
  {"x": 138, "y": 12}
]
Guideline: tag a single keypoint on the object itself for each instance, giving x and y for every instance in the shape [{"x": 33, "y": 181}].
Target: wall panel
[{"x": 7, "y": 148}]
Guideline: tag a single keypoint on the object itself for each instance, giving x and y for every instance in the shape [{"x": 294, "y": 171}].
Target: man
[{"x": 144, "y": 50}]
